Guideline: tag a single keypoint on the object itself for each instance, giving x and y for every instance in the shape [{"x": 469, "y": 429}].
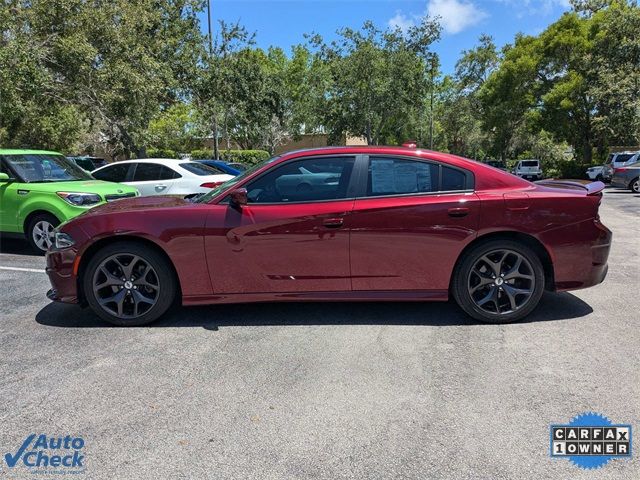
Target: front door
[{"x": 292, "y": 236}]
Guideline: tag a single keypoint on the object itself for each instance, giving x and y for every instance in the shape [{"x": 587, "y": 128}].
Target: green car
[{"x": 39, "y": 190}]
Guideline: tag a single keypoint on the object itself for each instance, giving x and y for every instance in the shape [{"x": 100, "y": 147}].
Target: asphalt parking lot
[{"x": 323, "y": 390}]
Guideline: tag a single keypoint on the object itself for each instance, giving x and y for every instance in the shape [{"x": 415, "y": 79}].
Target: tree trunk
[{"x": 216, "y": 153}]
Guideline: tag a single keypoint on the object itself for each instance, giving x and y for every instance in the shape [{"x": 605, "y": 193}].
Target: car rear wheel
[
  {"x": 635, "y": 185},
  {"x": 40, "y": 231},
  {"x": 128, "y": 284},
  {"x": 499, "y": 281}
]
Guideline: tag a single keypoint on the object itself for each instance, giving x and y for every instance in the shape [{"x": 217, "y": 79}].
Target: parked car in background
[
  {"x": 88, "y": 164},
  {"x": 595, "y": 173},
  {"x": 497, "y": 164},
  {"x": 388, "y": 223},
  {"x": 627, "y": 177},
  {"x": 529, "y": 169},
  {"x": 40, "y": 189},
  {"x": 161, "y": 176},
  {"x": 238, "y": 166},
  {"x": 616, "y": 160},
  {"x": 221, "y": 166}
]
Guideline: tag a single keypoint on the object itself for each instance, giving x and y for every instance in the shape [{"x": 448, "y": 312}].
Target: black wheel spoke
[
  {"x": 501, "y": 282},
  {"x": 135, "y": 294}
]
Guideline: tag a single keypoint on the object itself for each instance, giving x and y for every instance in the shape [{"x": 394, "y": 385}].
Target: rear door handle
[
  {"x": 458, "y": 212},
  {"x": 333, "y": 222},
  {"x": 160, "y": 187}
]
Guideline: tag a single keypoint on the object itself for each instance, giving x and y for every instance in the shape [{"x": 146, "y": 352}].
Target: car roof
[{"x": 21, "y": 151}]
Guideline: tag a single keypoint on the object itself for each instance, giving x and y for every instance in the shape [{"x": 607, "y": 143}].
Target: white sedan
[{"x": 161, "y": 176}]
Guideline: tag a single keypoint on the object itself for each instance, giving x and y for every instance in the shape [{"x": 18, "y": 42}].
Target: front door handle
[
  {"x": 458, "y": 212},
  {"x": 333, "y": 222}
]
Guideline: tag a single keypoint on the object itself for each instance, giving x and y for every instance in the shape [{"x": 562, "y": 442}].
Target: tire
[
  {"x": 40, "y": 230},
  {"x": 473, "y": 281},
  {"x": 142, "y": 297},
  {"x": 634, "y": 186},
  {"x": 599, "y": 178}
]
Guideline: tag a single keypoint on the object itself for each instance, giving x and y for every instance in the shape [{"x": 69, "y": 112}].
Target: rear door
[
  {"x": 410, "y": 224},
  {"x": 154, "y": 178}
]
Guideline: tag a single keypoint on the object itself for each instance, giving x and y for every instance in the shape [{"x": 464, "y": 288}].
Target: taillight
[
  {"x": 211, "y": 184},
  {"x": 621, "y": 169}
]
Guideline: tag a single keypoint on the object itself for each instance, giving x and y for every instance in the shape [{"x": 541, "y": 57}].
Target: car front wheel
[
  {"x": 499, "y": 281},
  {"x": 129, "y": 284},
  {"x": 40, "y": 231}
]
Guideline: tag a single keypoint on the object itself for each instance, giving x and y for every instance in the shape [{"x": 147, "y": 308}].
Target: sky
[{"x": 283, "y": 23}]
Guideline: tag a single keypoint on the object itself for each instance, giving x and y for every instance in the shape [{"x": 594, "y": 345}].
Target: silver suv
[
  {"x": 616, "y": 160},
  {"x": 529, "y": 169}
]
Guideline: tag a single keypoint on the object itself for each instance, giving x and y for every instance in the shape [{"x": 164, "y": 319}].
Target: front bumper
[{"x": 62, "y": 272}]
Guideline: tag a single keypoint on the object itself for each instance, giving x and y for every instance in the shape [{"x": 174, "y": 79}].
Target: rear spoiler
[{"x": 592, "y": 188}]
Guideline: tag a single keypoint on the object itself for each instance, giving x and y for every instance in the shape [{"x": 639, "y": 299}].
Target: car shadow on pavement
[
  {"x": 17, "y": 246},
  {"x": 553, "y": 306}
]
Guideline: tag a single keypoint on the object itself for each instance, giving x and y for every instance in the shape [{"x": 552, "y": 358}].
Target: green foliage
[
  {"x": 71, "y": 67},
  {"x": 174, "y": 129},
  {"x": 376, "y": 81},
  {"x": 160, "y": 153}
]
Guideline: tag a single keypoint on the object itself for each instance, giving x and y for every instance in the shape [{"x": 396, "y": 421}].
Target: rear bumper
[
  {"x": 619, "y": 182},
  {"x": 60, "y": 269},
  {"x": 581, "y": 263}
]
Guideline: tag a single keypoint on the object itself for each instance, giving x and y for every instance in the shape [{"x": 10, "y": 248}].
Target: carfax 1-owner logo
[
  {"x": 591, "y": 440},
  {"x": 45, "y": 454}
]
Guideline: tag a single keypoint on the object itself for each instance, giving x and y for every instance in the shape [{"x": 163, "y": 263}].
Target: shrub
[
  {"x": 247, "y": 157},
  {"x": 161, "y": 153}
]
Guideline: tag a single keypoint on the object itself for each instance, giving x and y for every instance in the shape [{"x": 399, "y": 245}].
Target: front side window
[
  {"x": 45, "y": 168},
  {"x": 312, "y": 179},
  {"x": 397, "y": 176},
  {"x": 147, "y": 172},
  {"x": 113, "y": 173}
]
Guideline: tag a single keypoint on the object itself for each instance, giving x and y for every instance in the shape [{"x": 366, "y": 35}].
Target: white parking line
[{"x": 18, "y": 269}]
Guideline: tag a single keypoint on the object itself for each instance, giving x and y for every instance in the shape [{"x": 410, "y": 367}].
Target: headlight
[
  {"x": 80, "y": 199},
  {"x": 62, "y": 240}
]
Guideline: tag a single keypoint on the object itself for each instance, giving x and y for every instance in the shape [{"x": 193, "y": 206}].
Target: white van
[{"x": 529, "y": 169}]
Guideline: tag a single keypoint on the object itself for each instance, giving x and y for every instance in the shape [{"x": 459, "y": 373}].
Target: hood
[
  {"x": 138, "y": 204},
  {"x": 82, "y": 186}
]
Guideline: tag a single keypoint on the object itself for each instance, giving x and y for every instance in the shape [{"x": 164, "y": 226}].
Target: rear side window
[
  {"x": 113, "y": 173},
  {"x": 146, "y": 172},
  {"x": 453, "y": 179},
  {"x": 200, "y": 169},
  {"x": 397, "y": 176},
  {"x": 623, "y": 157}
]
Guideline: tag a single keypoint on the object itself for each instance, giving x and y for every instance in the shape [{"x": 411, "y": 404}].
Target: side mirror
[
  {"x": 239, "y": 197},
  {"x": 5, "y": 178}
]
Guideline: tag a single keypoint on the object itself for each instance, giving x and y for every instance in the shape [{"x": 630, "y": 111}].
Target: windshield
[
  {"x": 39, "y": 167},
  {"x": 205, "y": 197}
]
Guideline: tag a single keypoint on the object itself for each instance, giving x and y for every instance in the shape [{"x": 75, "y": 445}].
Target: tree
[
  {"x": 377, "y": 81},
  {"x": 70, "y": 67}
]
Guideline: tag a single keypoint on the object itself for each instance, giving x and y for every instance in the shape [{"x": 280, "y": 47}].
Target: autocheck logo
[{"x": 56, "y": 455}]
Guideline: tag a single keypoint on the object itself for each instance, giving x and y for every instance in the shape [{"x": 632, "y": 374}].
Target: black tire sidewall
[
  {"x": 166, "y": 278},
  {"x": 459, "y": 283},
  {"x": 37, "y": 218}
]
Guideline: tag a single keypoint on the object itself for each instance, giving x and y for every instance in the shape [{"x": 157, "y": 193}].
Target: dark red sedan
[{"x": 343, "y": 223}]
